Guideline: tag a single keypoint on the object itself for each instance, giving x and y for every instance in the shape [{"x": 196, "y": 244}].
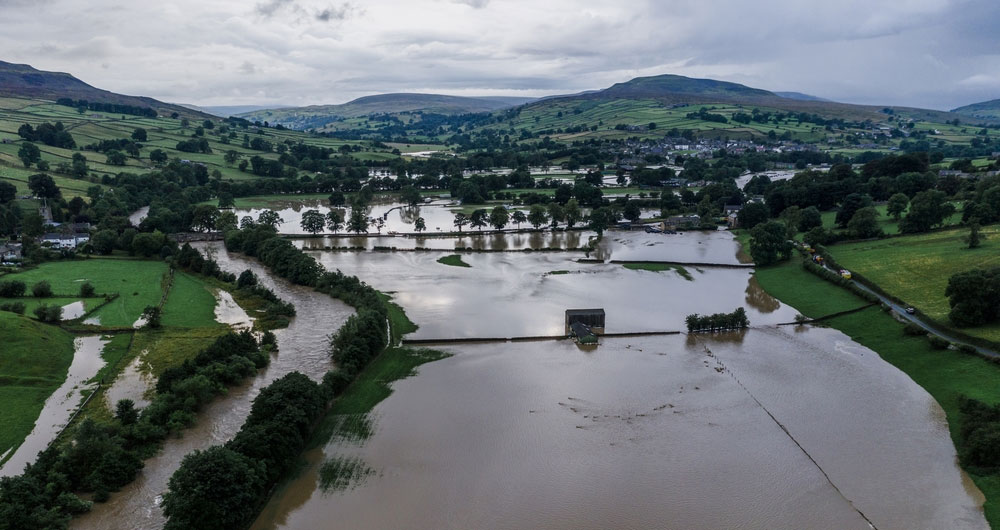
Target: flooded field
[
  {"x": 684, "y": 247},
  {"x": 302, "y": 347},
  {"x": 781, "y": 427},
  {"x": 521, "y": 294},
  {"x": 399, "y": 217},
  {"x": 61, "y": 405},
  {"x": 439, "y": 215},
  {"x": 654, "y": 432}
]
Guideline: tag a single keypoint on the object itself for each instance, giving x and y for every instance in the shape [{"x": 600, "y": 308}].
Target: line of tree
[
  {"x": 113, "y": 108},
  {"x": 980, "y": 435},
  {"x": 717, "y": 322},
  {"x": 974, "y": 297},
  {"x": 224, "y": 486}
]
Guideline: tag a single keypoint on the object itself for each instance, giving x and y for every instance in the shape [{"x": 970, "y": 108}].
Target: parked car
[{"x": 911, "y": 310}]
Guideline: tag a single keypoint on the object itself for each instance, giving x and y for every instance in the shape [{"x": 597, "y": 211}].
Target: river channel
[{"x": 302, "y": 347}]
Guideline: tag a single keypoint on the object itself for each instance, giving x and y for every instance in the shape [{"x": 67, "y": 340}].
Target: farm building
[{"x": 593, "y": 319}]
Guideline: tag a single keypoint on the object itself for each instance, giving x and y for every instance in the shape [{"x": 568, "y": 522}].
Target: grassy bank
[
  {"x": 916, "y": 268},
  {"x": 34, "y": 361},
  {"x": 348, "y": 417},
  {"x": 399, "y": 323},
  {"x": 454, "y": 260},
  {"x": 945, "y": 374},
  {"x": 658, "y": 267}
]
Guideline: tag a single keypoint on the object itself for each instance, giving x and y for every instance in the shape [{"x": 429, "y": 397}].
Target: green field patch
[
  {"x": 171, "y": 347},
  {"x": 454, "y": 260},
  {"x": 34, "y": 361},
  {"x": 659, "y": 267},
  {"x": 888, "y": 225},
  {"x": 399, "y": 323},
  {"x": 916, "y": 268},
  {"x": 190, "y": 303},
  {"x": 139, "y": 284}
]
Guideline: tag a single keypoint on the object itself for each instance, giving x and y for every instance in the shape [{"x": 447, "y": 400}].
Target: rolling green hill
[
  {"x": 21, "y": 80},
  {"x": 986, "y": 109},
  {"x": 317, "y": 116},
  {"x": 163, "y": 133}
]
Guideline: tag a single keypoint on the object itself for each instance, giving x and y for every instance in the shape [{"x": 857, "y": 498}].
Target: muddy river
[{"x": 301, "y": 347}]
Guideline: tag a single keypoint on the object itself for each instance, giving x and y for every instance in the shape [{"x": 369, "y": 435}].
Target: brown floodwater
[
  {"x": 302, "y": 347},
  {"x": 133, "y": 383},
  {"x": 517, "y": 294},
  {"x": 671, "y": 432},
  {"x": 774, "y": 427},
  {"x": 61, "y": 405},
  {"x": 685, "y": 247}
]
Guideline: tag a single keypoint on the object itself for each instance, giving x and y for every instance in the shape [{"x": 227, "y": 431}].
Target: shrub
[
  {"x": 967, "y": 348},
  {"x": 41, "y": 289},
  {"x": 11, "y": 289},
  {"x": 938, "y": 343},
  {"x": 48, "y": 313},
  {"x": 13, "y": 307},
  {"x": 913, "y": 329},
  {"x": 87, "y": 290}
]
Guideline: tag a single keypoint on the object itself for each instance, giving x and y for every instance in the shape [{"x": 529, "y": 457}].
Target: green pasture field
[
  {"x": 34, "y": 361},
  {"x": 916, "y": 268},
  {"x": 139, "y": 284},
  {"x": 189, "y": 304}
]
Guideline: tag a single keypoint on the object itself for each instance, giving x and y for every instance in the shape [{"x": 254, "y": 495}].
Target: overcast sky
[{"x": 928, "y": 53}]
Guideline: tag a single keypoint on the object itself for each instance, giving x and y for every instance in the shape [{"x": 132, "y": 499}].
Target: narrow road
[{"x": 901, "y": 311}]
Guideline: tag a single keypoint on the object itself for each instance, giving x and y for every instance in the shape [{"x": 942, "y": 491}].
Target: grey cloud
[
  {"x": 247, "y": 68},
  {"x": 269, "y": 8},
  {"x": 935, "y": 53},
  {"x": 341, "y": 12}
]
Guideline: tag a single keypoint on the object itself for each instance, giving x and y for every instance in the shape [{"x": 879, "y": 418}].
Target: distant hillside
[
  {"x": 225, "y": 111},
  {"x": 671, "y": 89},
  {"x": 669, "y": 85},
  {"x": 986, "y": 109},
  {"x": 317, "y": 116},
  {"x": 22, "y": 80},
  {"x": 800, "y": 96}
]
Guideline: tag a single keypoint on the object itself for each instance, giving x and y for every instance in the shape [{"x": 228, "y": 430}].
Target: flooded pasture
[
  {"x": 684, "y": 247},
  {"x": 774, "y": 427},
  {"x": 526, "y": 294},
  {"x": 652, "y": 432},
  {"x": 399, "y": 217},
  {"x": 61, "y": 405},
  {"x": 302, "y": 347},
  {"x": 439, "y": 214},
  {"x": 73, "y": 310}
]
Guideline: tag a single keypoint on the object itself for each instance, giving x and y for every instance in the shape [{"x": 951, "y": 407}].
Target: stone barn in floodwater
[{"x": 592, "y": 318}]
